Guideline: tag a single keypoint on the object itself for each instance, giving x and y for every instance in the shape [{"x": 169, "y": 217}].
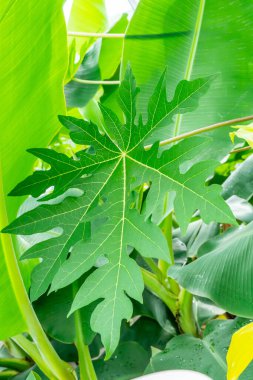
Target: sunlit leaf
[{"x": 104, "y": 178}]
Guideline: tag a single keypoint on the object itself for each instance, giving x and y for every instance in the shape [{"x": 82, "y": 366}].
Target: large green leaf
[
  {"x": 52, "y": 312},
  {"x": 33, "y": 63},
  {"x": 105, "y": 176},
  {"x": 87, "y": 16},
  {"x": 129, "y": 361},
  {"x": 207, "y": 355},
  {"x": 196, "y": 38},
  {"x": 223, "y": 273},
  {"x": 111, "y": 49}
]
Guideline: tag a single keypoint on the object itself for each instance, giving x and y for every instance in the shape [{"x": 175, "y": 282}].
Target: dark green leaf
[
  {"x": 52, "y": 312},
  {"x": 79, "y": 94},
  {"x": 128, "y": 362},
  {"x": 207, "y": 355}
]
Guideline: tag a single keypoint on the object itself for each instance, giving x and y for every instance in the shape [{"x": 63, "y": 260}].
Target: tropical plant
[{"x": 126, "y": 238}]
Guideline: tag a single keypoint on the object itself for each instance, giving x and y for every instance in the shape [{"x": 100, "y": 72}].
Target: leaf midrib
[
  {"x": 191, "y": 57},
  {"x": 215, "y": 355},
  {"x": 77, "y": 225},
  {"x": 81, "y": 168}
]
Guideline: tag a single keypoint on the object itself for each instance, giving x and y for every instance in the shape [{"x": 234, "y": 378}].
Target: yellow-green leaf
[
  {"x": 33, "y": 61},
  {"x": 240, "y": 352},
  {"x": 243, "y": 132}
]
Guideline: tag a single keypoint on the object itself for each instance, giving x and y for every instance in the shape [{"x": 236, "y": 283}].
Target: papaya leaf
[{"x": 105, "y": 176}]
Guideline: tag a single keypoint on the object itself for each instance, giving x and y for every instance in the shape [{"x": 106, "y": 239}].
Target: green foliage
[
  {"x": 106, "y": 175},
  {"x": 196, "y": 38},
  {"x": 121, "y": 225},
  {"x": 33, "y": 65},
  {"x": 130, "y": 360},
  {"x": 206, "y": 355},
  {"x": 241, "y": 175},
  {"x": 224, "y": 267},
  {"x": 52, "y": 312},
  {"x": 33, "y": 376},
  {"x": 78, "y": 94}
]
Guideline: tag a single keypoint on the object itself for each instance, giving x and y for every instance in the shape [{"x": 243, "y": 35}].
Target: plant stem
[
  {"x": 243, "y": 149},
  {"x": 87, "y": 371},
  {"x": 160, "y": 291},
  {"x": 96, "y": 35},
  {"x": 86, "y": 368},
  {"x": 185, "y": 314},
  {"x": 152, "y": 265},
  {"x": 14, "y": 363},
  {"x": 96, "y": 82},
  {"x": 202, "y": 130},
  {"x": 167, "y": 231},
  {"x": 31, "y": 350},
  {"x": 163, "y": 265},
  {"x": 60, "y": 369}
]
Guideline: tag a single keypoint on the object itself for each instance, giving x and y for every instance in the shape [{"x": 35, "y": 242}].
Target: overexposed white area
[
  {"x": 67, "y": 8},
  {"x": 114, "y": 8},
  {"x": 175, "y": 375}
]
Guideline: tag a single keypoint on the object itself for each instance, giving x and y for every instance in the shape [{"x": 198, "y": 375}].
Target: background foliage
[{"x": 109, "y": 210}]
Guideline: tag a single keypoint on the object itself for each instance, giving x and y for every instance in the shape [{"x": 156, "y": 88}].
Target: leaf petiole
[
  {"x": 202, "y": 130},
  {"x": 86, "y": 369}
]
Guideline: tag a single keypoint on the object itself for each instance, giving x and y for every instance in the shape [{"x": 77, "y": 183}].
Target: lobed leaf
[{"x": 106, "y": 176}]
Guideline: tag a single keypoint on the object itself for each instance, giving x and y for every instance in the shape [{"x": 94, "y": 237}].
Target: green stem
[
  {"x": 152, "y": 265},
  {"x": 185, "y": 313},
  {"x": 163, "y": 265},
  {"x": 31, "y": 350},
  {"x": 14, "y": 363},
  {"x": 96, "y": 35},
  {"x": 96, "y": 82},
  {"x": 167, "y": 231},
  {"x": 160, "y": 291},
  {"x": 60, "y": 369},
  {"x": 202, "y": 130},
  {"x": 86, "y": 369},
  {"x": 243, "y": 149}
]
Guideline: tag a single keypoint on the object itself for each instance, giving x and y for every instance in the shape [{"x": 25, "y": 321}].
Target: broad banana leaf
[
  {"x": 33, "y": 62},
  {"x": 87, "y": 16},
  {"x": 223, "y": 271},
  {"x": 195, "y": 39}
]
